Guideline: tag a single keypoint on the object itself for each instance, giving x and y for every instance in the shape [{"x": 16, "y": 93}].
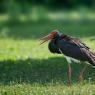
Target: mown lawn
[{"x": 27, "y": 68}]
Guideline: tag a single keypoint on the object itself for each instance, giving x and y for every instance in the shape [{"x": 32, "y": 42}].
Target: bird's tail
[{"x": 91, "y": 58}]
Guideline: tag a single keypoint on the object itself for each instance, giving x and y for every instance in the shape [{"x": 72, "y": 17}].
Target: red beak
[{"x": 46, "y": 38}]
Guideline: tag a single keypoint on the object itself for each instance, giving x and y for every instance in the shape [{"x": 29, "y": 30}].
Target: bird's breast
[{"x": 53, "y": 47}]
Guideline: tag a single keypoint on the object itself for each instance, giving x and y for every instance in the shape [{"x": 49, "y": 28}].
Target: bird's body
[{"x": 71, "y": 47}]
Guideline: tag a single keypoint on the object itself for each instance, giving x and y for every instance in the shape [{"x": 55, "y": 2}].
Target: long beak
[{"x": 46, "y": 38}]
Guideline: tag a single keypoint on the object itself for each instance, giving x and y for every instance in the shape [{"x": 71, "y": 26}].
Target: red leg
[
  {"x": 69, "y": 68},
  {"x": 69, "y": 74},
  {"x": 82, "y": 72}
]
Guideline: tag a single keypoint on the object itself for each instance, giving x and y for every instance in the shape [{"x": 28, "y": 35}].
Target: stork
[{"x": 72, "y": 48}]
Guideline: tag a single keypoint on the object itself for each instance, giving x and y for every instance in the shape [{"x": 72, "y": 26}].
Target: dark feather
[
  {"x": 72, "y": 47},
  {"x": 74, "y": 41},
  {"x": 53, "y": 47}
]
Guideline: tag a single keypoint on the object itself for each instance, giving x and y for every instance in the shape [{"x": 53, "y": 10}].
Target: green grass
[
  {"x": 27, "y": 68},
  {"x": 36, "y": 89}
]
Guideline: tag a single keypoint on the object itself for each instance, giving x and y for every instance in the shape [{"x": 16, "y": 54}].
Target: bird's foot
[
  {"x": 69, "y": 83},
  {"x": 80, "y": 78}
]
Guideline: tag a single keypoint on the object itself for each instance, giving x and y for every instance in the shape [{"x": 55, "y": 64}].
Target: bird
[{"x": 71, "y": 48}]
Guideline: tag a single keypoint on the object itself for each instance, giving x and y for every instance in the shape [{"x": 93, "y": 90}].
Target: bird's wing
[
  {"x": 74, "y": 48},
  {"x": 74, "y": 41}
]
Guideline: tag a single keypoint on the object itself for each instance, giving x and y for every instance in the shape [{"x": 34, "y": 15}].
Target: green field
[{"x": 27, "y": 68}]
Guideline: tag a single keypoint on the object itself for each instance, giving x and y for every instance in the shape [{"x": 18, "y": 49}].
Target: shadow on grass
[
  {"x": 40, "y": 71},
  {"x": 34, "y": 30}
]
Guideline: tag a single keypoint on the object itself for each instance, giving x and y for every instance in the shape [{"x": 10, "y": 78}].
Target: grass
[
  {"x": 27, "y": 89},
  {"x": 27, "y": 68}
]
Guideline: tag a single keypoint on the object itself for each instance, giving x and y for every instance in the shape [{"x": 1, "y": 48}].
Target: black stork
[{"x": 72, "y": 48}]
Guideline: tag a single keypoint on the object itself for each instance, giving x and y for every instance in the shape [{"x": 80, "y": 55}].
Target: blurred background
[{"x": 33, "y": 18}]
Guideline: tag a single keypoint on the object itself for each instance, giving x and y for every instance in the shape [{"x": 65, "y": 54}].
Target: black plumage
[{"x": 71, "y": 47}]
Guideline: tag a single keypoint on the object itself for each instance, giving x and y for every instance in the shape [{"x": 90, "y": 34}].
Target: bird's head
[{"x": 50, "y": 36}]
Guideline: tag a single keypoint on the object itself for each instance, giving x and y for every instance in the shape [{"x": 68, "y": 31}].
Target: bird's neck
[{"x": 56, "y": 39}]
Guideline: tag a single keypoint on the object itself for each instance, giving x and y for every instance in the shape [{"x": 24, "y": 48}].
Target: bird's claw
[
  {"x": 80, "y": 78},
  {"x": 69, "y": 83}
]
